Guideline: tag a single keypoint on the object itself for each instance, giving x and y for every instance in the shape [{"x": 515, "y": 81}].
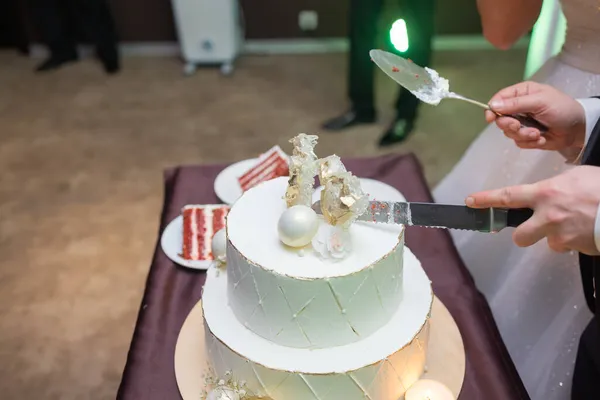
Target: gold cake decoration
[
  {"x": 303, "y": 169},
  {"x": 342, "y": 198},
  {"x": 226, "y": 388}
]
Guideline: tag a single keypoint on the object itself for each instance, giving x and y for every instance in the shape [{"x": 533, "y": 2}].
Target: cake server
[
  {"x": 431, "y": 88},
  {"x": 442, "y": 215}
]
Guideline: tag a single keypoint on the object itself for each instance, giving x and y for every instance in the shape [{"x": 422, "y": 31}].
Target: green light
[{"x": 399, "y": 35}]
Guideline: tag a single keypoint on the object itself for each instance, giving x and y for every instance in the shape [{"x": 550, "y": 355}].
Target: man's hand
[
  {"x": 563, "y": 115},
  {"x": 565, "y": 208}
]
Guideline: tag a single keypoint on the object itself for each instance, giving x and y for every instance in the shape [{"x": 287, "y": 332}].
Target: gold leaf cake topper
[
  {"x": 342, "y": 202},
  {"x": 342, "y": 198},
  {"x": 303, "y": 170}
]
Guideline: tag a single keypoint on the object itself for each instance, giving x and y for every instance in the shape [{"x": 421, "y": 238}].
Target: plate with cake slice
[
  {"x": 234, "y": 180},
  {"x": 187, "y": 240}
]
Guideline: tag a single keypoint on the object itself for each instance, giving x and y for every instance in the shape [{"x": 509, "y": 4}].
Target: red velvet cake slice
[
  {"x": 272, "y": 164},
  {"x": 200, "y": 223}
]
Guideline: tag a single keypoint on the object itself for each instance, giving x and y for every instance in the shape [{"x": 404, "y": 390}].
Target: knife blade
[{"x": 446, "y": 216}]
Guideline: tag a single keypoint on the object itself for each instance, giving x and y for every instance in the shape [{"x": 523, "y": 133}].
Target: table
[{"x": 171, "y": 291}]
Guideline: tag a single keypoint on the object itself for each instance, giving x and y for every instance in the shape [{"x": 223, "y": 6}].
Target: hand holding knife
[{"x": 442, "y": 215}]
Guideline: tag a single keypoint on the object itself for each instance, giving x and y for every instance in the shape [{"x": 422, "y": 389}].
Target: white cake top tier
[
  {"x": 252, "y": 230},
  {"x": 305, "y": 301}
]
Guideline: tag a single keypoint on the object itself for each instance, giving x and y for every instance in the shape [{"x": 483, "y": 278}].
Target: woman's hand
[{"x": 563, "y": 115}]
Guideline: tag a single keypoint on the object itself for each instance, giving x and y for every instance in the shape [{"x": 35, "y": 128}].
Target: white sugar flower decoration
[
  {"x": 223, "y": 393},
  {"x": 332, "y": 242},
  {"x": 226, "y": 388}
]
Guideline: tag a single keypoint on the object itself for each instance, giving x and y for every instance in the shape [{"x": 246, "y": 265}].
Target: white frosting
[
  {"x": 208, "y": 212},
  {"x": 309, "y": 301},
  {"x": 379, "y": 367},
  {"x": 195, "y": 248},
  {"x": 434, "y": 92}
]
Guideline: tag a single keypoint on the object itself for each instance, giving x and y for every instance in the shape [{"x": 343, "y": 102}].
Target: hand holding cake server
[{"x": 566, "y": 206}]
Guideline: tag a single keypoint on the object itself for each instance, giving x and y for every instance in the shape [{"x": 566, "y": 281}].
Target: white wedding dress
[{"x": 536, "y": 295}]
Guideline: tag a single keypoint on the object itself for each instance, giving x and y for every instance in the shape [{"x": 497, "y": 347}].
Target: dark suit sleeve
[
  {"x": 589, "y": 266},
  {"x": 591, "y": 154}
]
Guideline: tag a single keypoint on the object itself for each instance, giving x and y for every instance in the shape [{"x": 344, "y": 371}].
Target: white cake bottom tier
[{"x": 379, "y": 367}]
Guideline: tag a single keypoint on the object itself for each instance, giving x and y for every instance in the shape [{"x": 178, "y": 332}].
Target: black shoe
[
  {"x": 110, "y": 60},
  {"x": 55, "y": 62},
  {"x": 111, "y": 66},
  {"x": 397, "y": 132},
  {"x": 348, "y": 119}
]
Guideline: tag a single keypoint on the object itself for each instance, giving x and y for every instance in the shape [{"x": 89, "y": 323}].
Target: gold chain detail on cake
[{"x": 226, "y": 388}]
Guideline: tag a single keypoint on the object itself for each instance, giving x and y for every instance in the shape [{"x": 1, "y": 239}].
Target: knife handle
[{"x": 516, "y": 216}]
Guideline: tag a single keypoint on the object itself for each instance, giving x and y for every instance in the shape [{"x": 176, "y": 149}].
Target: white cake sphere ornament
[
  {"x": 297, "y": 226},
  {"x": 219, "y": 245}
]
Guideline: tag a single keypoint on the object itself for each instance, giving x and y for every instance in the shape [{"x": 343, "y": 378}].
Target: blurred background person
[
  {"x": 59, "y": 23},
  {"x": 364, "y": 15}
]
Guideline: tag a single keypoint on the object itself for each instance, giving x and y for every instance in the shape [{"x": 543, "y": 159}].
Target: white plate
[
  {"x": 172, "y": 244},
  {"x": 227, "y": 187},
  {"x": 375, "y": 189}
]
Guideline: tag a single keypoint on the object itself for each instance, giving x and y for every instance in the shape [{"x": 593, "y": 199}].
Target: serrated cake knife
[{"x": 446, "y": 216}]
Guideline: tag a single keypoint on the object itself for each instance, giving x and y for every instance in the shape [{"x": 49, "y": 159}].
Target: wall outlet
[{"x": 308, "y": 20}]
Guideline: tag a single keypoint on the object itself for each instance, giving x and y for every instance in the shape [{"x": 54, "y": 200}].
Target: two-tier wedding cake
[{"x": 315, "y": 305}]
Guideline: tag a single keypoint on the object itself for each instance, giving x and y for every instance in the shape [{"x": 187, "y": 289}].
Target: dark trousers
[
  {"x": 13, "y": 29},
  {"x": 61, "y": 22},
  {"x": 364, "y": 16},
  {"x": 586, "y": 377}
]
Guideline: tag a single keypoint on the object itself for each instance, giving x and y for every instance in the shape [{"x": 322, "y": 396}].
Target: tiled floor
[{"x": 81, "y": 156}]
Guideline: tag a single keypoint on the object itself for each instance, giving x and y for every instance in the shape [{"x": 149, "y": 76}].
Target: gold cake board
[{"x": 445, "y": 353}]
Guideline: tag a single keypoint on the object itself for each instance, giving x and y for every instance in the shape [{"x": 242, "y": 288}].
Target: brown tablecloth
[{"x": 172, "y": 291}]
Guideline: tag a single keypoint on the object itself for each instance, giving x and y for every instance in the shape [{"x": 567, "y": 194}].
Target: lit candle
[{"x": 427, "y": 389}]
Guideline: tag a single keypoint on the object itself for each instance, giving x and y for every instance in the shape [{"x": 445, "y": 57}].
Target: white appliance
[{"x": 209, "y": 32}]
